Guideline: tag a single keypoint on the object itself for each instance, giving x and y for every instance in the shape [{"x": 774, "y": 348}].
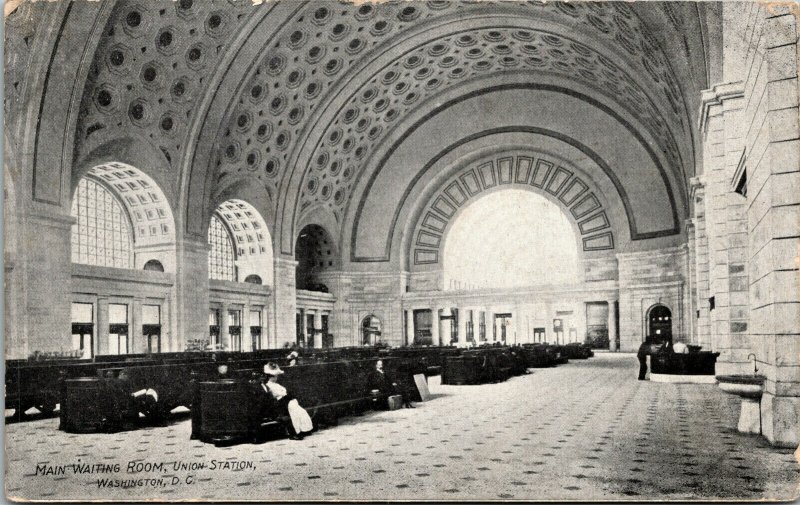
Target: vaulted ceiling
[{"x": 302, "y": 99}]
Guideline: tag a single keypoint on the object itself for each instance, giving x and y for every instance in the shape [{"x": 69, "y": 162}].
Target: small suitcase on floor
[{"x": 395, "y": 402}]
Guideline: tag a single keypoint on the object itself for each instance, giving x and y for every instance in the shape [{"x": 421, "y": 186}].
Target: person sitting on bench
[
  {"x": 300, "y": 424},
  {"x": 385, "y": 386}
]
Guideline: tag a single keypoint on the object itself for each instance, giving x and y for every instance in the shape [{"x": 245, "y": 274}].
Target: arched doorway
[
  {"x": 659, "y": 323},
  {"x": 370, "y": 330}
]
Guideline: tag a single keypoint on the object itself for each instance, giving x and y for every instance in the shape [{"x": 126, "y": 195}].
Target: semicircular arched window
[
  {"x": 102, "y": 234},
  {"x": 221, "y": 255},
  {"x": 154, "y": 266},
  {"x": 253, "y": 279}
]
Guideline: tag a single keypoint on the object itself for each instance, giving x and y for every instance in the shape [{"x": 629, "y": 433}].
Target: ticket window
[
  {"x": 235, "y": 329},
  {"x": 117, "y": 328},
  {"x": 83, "y": 329},
  {"x": 255, "y": 329},
  {"x": 151, "y": 327},
  {"x": 213, "y": 328}
]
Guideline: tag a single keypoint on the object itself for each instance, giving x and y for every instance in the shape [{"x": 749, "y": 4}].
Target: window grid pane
[
  {"x": 98, "y": 212},
  {"x": 220, "y": 255}
]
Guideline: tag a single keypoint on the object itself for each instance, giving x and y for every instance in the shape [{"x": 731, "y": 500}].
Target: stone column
[
  {"x": 612, "y": 326},
  {"x": 689, "y": 319},
  {"x": 318, "y": 330},
  {"x": 409, "y": 326},
  {"x": 45, "y": 268},
  {"x": 490, "y": 333},
  {"x": 137, "y": 341},
  {"x": 191, "y": 289},
  {"x": 701, "y": 269},
  {"x": 284, "y": 306},
  {"x": 168, "y": 343},
  {"x": 462, "y": 327},
  {"x": 267, "y": 336},
  {"x": 435, "y": 327},
  {"x": 721, "y": 129},
  {"x": 101, "y": 332}
]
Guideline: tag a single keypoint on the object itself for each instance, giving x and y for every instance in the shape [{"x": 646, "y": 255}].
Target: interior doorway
[{"x": 660, "y": 323}]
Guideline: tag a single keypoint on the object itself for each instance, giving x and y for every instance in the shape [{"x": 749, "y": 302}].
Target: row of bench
[
  {"x": 496, "y": 364},
  {"x": 223, "y": 408},
  {"x": 173, "y": 375}
]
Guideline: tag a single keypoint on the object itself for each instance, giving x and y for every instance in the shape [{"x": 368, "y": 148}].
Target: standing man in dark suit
[{"x": 644, "y": 351}]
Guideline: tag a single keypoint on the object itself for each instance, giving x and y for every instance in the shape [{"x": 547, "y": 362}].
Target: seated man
[{"x": 382, "y": 385}]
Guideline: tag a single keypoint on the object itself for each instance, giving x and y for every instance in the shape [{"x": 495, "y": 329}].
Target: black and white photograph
[{"x": 402, "y": 250}]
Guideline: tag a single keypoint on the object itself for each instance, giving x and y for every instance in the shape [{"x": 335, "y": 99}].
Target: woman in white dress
[{"x": 301, "y": 421}]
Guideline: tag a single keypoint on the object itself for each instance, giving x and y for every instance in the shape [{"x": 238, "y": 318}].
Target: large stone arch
[
  {"x": 57, "y": 71},
  {"x": 401, "y": 167},
  {"x": 308, "y": 156}
]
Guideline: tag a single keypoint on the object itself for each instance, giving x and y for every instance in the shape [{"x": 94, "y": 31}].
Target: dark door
[{"x": 661, "y": 323}]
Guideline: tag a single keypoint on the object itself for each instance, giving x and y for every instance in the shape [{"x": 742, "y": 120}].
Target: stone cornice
[
  {"x": 667, "y": 251},
  {"x": 716, "y": 96}
]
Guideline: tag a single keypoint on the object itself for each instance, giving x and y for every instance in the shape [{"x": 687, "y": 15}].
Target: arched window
[
  {"x": 154, "y": 266},
  {"x": 253, "y": 279},
  {"x": 102, "y": 234},
  {"x": 528, "y": 238},
  {"x": 221, "y": 256},
  {"x": 240, "y": 244}
]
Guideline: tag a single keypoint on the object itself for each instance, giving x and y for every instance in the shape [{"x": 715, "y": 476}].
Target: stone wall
[
  {"x": 648, "y": 279},
  {"x": 360, "y": 294},
  {"x": 771, "y": 148}
]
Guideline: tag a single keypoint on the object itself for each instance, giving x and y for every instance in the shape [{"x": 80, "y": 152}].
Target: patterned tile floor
[{"x": 582, "y": 431}]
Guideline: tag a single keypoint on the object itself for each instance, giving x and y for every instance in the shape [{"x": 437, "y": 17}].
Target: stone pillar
[
  {"x": 490, "y": 333},
  {"x": 224, "y": 327},
  {"x": 773, "y": 219},
  {"x": 409, "y": 326},
  {"x": 101, "y": 332},
  {"x": 701, "y": 269},
  {"x": 722, "y": 131},
  {"x": 191, "y": 290},
  {"x": 462, "y": 327},
  {"x": 435, "y": 327},
  {"x": 318, "y": 330},
  {"x": 137, "y": 342},
  {"x": 285, "y": 302},
  {"x": 612, "y": 326},
  {"x": 689, "y": 320},
  {"x": 45, "y": 271},
  {"x": 266, "y": 329},
  {"x": 168, "y": 343}
]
